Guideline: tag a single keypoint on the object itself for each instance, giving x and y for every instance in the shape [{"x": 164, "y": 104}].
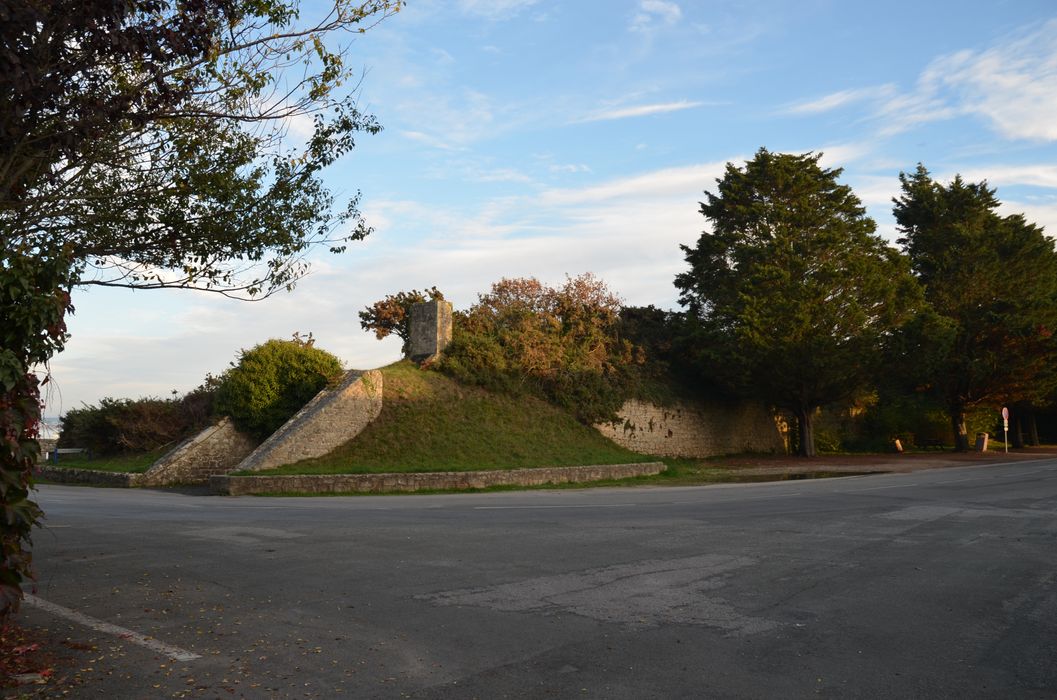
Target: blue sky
[{"x": 549, "y": 138}]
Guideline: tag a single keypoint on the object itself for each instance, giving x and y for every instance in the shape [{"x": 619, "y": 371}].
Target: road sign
[{"x": 1005, "y": 413}]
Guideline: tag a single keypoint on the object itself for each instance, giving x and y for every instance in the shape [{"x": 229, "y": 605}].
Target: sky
[{"x": 547, "y": 138}]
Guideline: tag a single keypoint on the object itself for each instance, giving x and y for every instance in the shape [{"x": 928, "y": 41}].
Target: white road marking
[
  {"x": 174, "y": 653},
  {"x": 589, "y": 505},
  {"x": 876, "y": 488}
]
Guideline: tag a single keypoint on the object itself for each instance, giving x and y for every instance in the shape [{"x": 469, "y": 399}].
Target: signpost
[{"x": 1005, "y": 427}]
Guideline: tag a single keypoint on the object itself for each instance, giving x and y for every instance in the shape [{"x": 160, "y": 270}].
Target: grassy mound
[{"x": 432, "y": 423}]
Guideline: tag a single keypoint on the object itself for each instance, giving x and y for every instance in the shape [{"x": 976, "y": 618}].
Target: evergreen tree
[
  {"x": 986, "y": 336},
  {"x": 792, "y": 290}
]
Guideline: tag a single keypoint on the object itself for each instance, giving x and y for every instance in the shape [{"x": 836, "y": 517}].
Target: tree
[
  {"x": 146, "y": 144},
  {"x": 391, "y": 315},
  {"x": 791, "y": 290},
  {"x": 990, "y": 281}
]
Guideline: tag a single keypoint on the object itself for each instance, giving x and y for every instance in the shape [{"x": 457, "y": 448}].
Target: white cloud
[
  {"x": 653, "y": 13},
  {"x": 1033, "y": 175},
  {"x": 570, "y": 168},
  {"x": 1012, "y": 86},
  {"x": 640, "y": 110},
  {"x": 840, "y": 99},
  {"x": 687, "y": 182},
  {"x": 426, "y": 140},
  {"x": 495, "y": 9}
]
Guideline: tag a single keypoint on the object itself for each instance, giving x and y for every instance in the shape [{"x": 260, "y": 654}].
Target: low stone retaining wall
[
  {"x": 62, "y": 475},
  {"x": 378, "y": 483}
]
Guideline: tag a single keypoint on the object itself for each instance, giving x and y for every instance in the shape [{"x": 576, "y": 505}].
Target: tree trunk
[
  {"x": 806, "y": 430},
  {"x": 1018, "y": 429},
  {"x": 1033, "y": 429},
  {"x": 961, "y": 436}
]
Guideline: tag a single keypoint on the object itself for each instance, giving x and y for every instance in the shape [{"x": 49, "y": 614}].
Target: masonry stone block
[{"x": 430, "y": 329}]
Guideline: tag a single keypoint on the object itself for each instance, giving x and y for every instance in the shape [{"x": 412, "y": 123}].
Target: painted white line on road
[
  {"x": 590, "y": 505},
  {"x": 174, "y": 653},
  {"x": 875, "y": 488}
]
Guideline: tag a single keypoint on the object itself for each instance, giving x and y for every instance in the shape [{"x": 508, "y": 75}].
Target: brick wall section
[
  {"x": 216, "y": 450},
  {"x": 332, "y": 418},
  {"x": 62, "y": 475},
  {"x": 381, "y": 483},
  {"x": 694, "y": 429}
]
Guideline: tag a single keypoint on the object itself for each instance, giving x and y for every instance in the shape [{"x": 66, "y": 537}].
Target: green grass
[
  {"x": 431, "y": 423},
  {"x": 134, "y": 463}
]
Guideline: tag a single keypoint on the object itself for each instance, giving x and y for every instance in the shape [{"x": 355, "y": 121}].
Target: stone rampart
[
  {"x": 382, "y": 483},
  {"x": 216, "y": 450},
  {"x": 332, "y": 418},
  {"x": 694, "y": 429}
]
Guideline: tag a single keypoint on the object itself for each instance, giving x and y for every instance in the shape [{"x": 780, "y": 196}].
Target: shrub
[
  {"x": 272, "y": 381},
  {"x": 120, "y": 426},
  {"x": 560, "y": 343}
]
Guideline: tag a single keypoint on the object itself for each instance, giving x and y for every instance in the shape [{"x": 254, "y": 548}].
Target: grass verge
[{"x": 134, "y": 463}]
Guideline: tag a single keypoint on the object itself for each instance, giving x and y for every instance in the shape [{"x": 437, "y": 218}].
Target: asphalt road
[{"x": 931, "y": 584}]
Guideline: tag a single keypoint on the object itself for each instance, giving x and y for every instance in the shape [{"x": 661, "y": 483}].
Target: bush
[
  {"x": 272, "y": 382},
  {"x": 123, "y": 426},
  {"x": 559, "y": 343}
]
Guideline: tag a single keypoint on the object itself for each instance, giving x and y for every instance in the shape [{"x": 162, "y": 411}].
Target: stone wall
[
  {"x": 332, "y": 418},
  {"x": 695, "y": 429},
  {"x": 379, "y": 483},
  {"x": 216, "y": 450}
]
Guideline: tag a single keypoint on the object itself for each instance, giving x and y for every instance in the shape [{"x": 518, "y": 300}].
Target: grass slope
[
  {"x": 132, "y": 463},
  {"x": 431, "y": 423}
]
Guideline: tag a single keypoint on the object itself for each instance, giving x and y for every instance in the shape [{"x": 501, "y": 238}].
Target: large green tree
[
  {"x": 149, "y": 144},
  {"x": 791, "y": 291},
  {"x": 986, "y": 336}
]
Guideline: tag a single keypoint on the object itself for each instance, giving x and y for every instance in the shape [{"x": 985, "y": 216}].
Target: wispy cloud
[
  {"x": 569, "y": 168},
  {"x": 1012, "y": 86},
  {"x": 427, "y": 140},
  {"x": 654, "y": 13},
  {"x": 685, "y": 182},
  {"x": 495, "y": 9},
  {"x": 640, "y": 111},
  {"x": 836, "y": 100},
  {"x": 1033, "y": 175}
]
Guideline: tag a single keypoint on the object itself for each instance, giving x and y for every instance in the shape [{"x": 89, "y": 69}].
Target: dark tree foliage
[
  {"x": 391, "y": 315},
  {"x": 144, "y": 143},
  {"x": 791, "y": 290},
  {"x": 986, "y": 336}
]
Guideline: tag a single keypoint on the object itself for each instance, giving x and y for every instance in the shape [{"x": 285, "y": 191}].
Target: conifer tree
[{"x": 791, "y": 290}]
